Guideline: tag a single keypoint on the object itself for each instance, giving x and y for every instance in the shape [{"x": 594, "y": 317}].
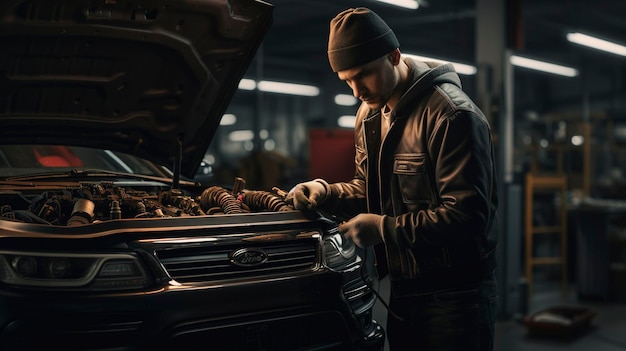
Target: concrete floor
[{"x": 607, "y": 331}]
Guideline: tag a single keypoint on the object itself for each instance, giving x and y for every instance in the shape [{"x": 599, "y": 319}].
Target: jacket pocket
[{"x": 413, "y": 173}]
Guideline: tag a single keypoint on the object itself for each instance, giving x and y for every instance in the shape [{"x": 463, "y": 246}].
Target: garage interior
[{"x": 560, "y": 133}]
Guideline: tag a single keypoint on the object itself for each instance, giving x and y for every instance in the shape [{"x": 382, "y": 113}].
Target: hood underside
[{"x": 150, "y": 78}]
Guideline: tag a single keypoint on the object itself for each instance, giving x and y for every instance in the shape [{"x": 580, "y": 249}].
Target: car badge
[{"x": 248, "y": 257}]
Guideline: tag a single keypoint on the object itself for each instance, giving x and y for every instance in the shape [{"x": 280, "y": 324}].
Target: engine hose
[
  {"x": 218, "y": 196},
  {"x": 264, "y": 200}
]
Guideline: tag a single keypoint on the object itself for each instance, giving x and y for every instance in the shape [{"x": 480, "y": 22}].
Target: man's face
[{"x": 373, "y": 82}]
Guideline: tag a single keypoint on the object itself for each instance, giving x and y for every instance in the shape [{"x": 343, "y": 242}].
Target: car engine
[{"x": 90, "y": 202}]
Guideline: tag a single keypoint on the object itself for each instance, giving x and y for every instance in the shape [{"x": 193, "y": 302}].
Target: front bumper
[{"x": 293, "y": 313}]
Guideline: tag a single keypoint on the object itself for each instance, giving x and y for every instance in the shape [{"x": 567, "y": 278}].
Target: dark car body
[{"x": 106, "y": 109}]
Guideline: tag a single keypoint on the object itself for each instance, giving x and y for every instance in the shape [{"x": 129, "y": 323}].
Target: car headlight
[
  {"x": 95, "y": 272},
  {"x": 343, "y": 256},
  {"x": 338, "y": 251}
]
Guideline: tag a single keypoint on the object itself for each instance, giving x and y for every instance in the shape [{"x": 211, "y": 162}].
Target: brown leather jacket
[{"x": 433, "y": 177}]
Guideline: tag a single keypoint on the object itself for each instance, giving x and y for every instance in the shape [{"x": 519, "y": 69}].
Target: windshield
[{"x": 18, "y": 160}]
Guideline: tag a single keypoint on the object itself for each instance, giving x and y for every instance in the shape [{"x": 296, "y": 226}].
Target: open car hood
[{"x": 150, "y": 78}]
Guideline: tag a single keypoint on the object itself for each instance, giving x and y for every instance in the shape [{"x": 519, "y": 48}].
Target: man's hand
[
  {"x": 365, "y": 229},
  {"x": 307, "y": 195}
]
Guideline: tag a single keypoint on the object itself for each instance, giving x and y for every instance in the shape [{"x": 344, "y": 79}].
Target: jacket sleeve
[{"x": 347, "y": 199}]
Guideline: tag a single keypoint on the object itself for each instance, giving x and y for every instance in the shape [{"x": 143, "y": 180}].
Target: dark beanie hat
[{"x": 358, "y": 36}]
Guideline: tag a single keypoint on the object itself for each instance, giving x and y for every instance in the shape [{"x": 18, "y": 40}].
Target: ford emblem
[{"x": 248, "y": 257}]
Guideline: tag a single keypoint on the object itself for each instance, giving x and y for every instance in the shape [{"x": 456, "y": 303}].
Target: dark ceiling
[{"x": 295, "y": 46}]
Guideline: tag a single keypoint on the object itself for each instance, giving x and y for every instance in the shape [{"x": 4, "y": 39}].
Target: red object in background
[
  {"x": 56, "y": 156},
  {"x": 560, "y": 321},
  {"x": 331, "y": 154}
]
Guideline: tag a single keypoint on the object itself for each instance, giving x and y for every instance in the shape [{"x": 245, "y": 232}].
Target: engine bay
[{"x": 92, "y": 202}]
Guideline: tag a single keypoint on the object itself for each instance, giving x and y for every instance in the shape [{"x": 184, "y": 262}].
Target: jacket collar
[{"x": 424, "y": 75}]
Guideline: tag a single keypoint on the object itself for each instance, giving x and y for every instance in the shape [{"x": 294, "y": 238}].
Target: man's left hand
[{"x": 364, "y": 229}]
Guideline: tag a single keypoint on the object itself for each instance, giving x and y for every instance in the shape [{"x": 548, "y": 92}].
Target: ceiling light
[
  {"x": 241, "y": 135},
  {"x": 247, "y": 84},
  {"x": 597, "y": 43},
  {"x": 346, "y": 121},
  {"x": 460, "y": 68},
  {"x": 345, "y": 100},
  {"x": 269, "y": 145},
  {"x": 577, "y": 140},
  {"x": 543, "y": 66},
  {"x": 228, "y": 119},
  {"x": 409, "y": 4},
  {"x": 209, "y": 158},
  {"x": 288, "y": 88},
  {"x": 279, "y": 87}
]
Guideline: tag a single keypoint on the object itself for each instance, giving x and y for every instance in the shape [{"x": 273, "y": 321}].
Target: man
[{"x": 424, "y": 192}]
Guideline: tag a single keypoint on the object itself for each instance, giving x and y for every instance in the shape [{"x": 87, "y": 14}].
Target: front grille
[{"x": 213, "y": 262}]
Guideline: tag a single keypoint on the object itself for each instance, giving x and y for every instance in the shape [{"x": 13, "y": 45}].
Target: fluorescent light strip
[
  {"x": 409, "y": 4},
  {"x": 543, "y": 66},
  {"x": 345, "y": 100},
  {"x": 279, "y": 87},
  {"x": 346, "y": 121},
  {"x": 247, "y": 84},
  {"x": 460, "y": 68},
  {"x": 597, "y": 43},
  {"x": 287, "y": 88},
  {"x": 228, "y": 119},
  {"x": 241, "y": 135}
]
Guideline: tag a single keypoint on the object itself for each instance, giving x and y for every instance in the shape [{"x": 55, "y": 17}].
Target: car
[{"x": 106, "y": 242}]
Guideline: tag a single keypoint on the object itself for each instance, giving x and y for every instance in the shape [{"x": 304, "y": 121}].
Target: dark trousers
[{"x": 452, "y": 320}]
